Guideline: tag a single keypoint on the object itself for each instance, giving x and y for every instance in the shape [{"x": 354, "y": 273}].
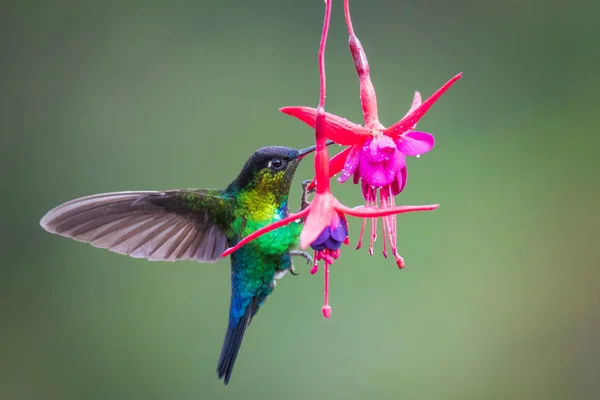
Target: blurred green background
[{"x": 500, "y": 296}]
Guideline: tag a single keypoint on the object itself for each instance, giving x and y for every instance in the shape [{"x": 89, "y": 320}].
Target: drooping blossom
[
  {"x": 325, "y": 217},
  {"x": 332, "y": 236},
  {"x": 376, "y": 154}
]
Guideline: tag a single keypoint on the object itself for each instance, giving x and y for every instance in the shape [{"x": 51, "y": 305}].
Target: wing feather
[{"x": 152, "y": 225}]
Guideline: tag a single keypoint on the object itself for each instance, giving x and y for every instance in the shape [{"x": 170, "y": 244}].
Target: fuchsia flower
[
  {"x": 376, "y": 156},
  {"x": 332, "y": 236},
  {"x": 325, "y": 227}
]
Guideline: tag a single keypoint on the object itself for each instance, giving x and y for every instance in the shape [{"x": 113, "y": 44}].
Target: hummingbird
[{"x": 199, "y": 224}]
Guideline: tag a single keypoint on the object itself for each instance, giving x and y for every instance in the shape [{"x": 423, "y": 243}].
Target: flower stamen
[{"x": 326, "y": 309}]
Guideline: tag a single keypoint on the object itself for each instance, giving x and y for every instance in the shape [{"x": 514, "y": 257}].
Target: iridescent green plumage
[{"x": 200, "y": 224}]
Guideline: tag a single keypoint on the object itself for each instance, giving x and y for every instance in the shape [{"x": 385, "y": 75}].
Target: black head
[{"x": 270, "y": 168}]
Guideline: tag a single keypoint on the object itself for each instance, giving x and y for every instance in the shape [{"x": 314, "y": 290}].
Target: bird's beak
[{"x": 304, "y": 152}]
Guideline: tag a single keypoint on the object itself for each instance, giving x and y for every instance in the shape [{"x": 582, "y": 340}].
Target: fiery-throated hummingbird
[{"x": 199, "y": 224}]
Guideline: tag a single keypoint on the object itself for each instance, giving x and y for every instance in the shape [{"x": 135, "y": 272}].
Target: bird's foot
[
  {"x": 305, "y": 192},
  {"x": 303, "y": 254}
]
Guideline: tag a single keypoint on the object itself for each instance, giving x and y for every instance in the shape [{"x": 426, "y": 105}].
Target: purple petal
[
  {"x": 375, "y": 174},
  {"x": 400, "y": 182},
  {"x": 322, "y": 237},
  {"x": 415, "y": 143},
  {"x": 333, "y": 244},
  {"x": 318, "y": 246},
  {"x": 380, "y": 173},
  {"x": 401, "y": 160},
  {"x": 379, "y": 148},
  {"x": 356, "y": 176},
  {"x": 365, "y": 189},
  {"x": 332, "y": 236},
  {"x": 340, "y": 232}
]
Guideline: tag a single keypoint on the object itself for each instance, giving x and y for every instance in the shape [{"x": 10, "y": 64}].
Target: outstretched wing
[{"x": 170, "y": 225}]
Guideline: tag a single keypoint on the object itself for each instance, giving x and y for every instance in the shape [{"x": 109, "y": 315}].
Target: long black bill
[{"x": 304, "y": 152}]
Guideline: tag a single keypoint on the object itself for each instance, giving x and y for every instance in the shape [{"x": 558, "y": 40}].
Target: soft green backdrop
[{"x": 500, "y": 298}]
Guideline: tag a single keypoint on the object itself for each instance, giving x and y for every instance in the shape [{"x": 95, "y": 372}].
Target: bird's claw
[
  {"x": 305, "y": 192},
  {"x": 305, "y": 255}
]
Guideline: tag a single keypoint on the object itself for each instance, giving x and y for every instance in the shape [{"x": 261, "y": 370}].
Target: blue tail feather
[{"x": 233, "y": 341}]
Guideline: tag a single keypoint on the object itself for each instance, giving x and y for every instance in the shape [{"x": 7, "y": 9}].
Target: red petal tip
[
  {"x": 286, "y": 109},
  {"x": 409, "y": 121},
  {"x": 291, "y": 110}
]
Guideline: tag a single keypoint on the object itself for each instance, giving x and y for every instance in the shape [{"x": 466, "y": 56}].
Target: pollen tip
[
  {"x": 326, "y": 311},
  {"x": 400, "y": 262},
  {"x": 315, "y": 268}
]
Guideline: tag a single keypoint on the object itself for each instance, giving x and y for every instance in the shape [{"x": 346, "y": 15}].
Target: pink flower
[{"x": 376, "y": 156}]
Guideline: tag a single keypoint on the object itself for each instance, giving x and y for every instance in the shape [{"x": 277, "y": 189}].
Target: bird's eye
[{"x": 276, "y": 164}]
